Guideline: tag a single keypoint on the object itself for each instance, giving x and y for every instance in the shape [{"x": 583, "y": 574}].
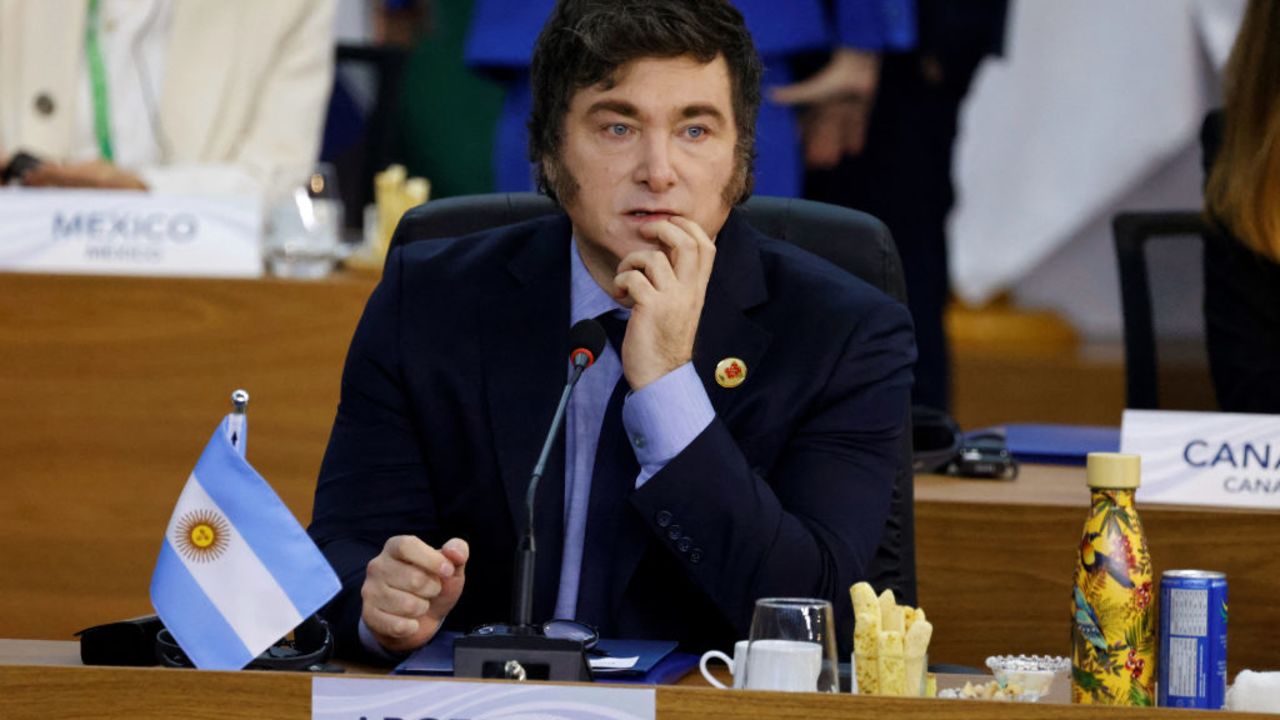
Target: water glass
[{"x": 792, "y": 647}]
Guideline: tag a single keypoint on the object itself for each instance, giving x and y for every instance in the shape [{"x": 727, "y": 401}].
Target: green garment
[{"x": 447, "y": 112}]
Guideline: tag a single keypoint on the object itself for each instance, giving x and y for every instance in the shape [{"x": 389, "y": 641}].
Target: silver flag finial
[{"x": 239, "y": 399}]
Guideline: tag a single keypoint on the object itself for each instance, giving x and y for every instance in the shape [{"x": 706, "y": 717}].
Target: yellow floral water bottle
[{"x": 1113, "y": 628}]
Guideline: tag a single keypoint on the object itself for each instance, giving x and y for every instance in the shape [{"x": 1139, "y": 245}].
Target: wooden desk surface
[
  {"x": 995, "y": 562},
  {"x": 41, "y": 679},
  {"x": 110, "y": 387}
]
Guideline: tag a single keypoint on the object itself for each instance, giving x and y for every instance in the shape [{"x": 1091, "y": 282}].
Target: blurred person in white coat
[{"x": 174, "y": 96}]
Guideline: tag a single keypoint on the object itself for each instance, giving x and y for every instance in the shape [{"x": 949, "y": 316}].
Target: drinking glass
[
  {"x": 304, "y": 229},
  {"x": 792, "y": 647}
]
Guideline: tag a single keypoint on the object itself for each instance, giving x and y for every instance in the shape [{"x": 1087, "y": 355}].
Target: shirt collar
[{"x": 586, "y": 298}]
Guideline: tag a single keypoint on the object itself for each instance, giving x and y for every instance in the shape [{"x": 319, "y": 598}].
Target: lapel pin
[{"x": 730, "y": 372}]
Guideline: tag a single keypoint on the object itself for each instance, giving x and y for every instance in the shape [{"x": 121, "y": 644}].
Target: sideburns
[
  {"x": 562, "y": 182},
  {"x": 739, "y": 184}
]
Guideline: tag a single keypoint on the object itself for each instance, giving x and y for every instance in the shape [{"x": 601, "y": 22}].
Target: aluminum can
[{"x": 1193, "y": 639}]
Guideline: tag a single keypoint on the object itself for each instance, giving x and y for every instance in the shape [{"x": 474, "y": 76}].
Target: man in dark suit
[{"x": 737, "y": 438}]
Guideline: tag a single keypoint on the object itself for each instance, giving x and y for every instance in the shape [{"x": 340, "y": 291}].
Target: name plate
[
  {"x": 335, "y": 698},
  {"x": 129, "y": 233},
  {"x": 1204, "y": 458}
]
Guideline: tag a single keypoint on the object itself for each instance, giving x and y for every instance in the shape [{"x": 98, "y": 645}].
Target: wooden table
[
  {"x": 995, "y": 562},
  {"x": 110, "y": 387},
  {"x": 41, "y": 679}
]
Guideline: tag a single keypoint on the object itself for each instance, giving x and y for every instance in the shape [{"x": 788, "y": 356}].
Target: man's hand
[
  {"x": 94, "y": 174},
  {"x": 839, "y": 96},
  {"x": 665, "y": 289},
  {"x": 409, "y": 588}
]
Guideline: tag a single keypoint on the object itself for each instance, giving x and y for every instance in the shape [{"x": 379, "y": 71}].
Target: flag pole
[{"x": 239, "y": 399}]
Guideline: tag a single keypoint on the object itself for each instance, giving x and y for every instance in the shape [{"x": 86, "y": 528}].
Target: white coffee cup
[
  {"x": 736, "y": 664},
  {"x": 785, "y": 665}
]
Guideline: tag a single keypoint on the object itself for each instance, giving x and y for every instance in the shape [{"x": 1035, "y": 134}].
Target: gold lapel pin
[{"x": 730, "y": 372}]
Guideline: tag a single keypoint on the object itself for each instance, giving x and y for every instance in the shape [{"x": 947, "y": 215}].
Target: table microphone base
[{"x": 520, "y": 657}]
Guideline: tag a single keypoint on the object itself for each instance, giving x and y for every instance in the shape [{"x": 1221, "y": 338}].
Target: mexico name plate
[
  {"x": 114, "y": 232},
  {"x": 1205, "y": 458},
  {"x": 334, "y": 698}
]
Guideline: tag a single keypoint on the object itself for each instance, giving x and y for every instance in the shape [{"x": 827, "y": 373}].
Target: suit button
[
  {"x": 683, "y": 544},
  {"x": 673, "y": 532},
  {"x": 44, "y": 104},
  {"x": 695, "y": 557},
  {"x": 663, "y": 518}
]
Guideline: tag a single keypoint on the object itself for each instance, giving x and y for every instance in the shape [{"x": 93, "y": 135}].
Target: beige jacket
[{"x": 242, "y": 104}]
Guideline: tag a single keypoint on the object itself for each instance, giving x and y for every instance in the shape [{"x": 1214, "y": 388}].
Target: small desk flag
[{"x": 236, "y": 571}]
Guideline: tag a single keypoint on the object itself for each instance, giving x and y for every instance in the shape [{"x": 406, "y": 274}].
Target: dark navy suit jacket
[{"x": 455, "y": 371}]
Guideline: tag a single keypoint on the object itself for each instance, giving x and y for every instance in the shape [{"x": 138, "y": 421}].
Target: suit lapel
[
  {"x": 524, "y": 343},
  {"x": 199, "y": 66},
  {"x": 724, "y": 330}
]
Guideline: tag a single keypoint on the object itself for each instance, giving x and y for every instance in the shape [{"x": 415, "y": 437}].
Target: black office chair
[
  {"x": 853, "y": 240},
  {"x": 1187, "y": 385}
]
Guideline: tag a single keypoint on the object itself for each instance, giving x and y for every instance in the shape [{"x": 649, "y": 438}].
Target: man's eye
[
  {"x": 696, "y": 131},
  {"x": 618, "y": 129}
]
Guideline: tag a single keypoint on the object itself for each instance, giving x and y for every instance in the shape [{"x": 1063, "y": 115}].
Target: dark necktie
[{"x": 612, "y": 479}]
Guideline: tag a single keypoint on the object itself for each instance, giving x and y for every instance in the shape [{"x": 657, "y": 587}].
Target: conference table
[
  {"x": 111, "y": 386},
  {"x": 41, "y": 679}
]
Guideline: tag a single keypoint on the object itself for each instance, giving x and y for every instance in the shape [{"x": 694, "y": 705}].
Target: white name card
[
  {"x": 112, "y": 232},
  {"x": 395, "y": 699},
  {"x": 1205, "y": 458}
]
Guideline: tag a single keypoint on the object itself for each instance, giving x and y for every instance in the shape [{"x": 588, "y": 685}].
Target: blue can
[{"x": 1193, "y": 639}]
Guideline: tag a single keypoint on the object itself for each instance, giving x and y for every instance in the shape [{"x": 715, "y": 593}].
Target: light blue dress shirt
[{"x": 661, "y": 419}]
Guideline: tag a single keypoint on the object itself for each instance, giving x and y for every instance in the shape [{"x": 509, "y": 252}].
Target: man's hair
[{"x": 585, "y": 42}]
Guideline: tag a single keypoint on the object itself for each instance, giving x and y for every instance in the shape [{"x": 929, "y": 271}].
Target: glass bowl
[{"x": 1033, "y": 675}]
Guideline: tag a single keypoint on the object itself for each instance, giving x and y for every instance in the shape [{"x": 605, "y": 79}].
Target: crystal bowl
[{"x": 1033, "y": 674}]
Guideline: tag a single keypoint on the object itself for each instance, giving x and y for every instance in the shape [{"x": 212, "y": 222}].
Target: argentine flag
[{"x": 236, "y": 571}]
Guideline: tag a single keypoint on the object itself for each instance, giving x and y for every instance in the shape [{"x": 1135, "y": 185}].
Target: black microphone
[
  {"x": 526, "y": 653},
  {"x": 586, "y": 340}
]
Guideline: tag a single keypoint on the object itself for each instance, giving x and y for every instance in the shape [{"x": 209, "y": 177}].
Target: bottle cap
[{"x": 1114, "y": 470}]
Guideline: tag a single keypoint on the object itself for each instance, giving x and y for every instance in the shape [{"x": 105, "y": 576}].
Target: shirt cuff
[
  {"x": 663, "y": 417},
  {"x": 371, "y": 644}
]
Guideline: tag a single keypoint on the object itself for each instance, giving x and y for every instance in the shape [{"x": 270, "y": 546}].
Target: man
[
  {"x": 743, "y": 441},
  {"x": 208, "y": 97}
]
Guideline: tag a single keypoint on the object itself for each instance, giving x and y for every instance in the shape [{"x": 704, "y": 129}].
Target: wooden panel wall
[{"x": 109, "y": 390}]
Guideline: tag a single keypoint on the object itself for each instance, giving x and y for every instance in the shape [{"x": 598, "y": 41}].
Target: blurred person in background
[
  {"x": 500, "y": 42},
  {"x": 1242, "y": 197},
  {"x": 193, "y": 97},
  {"x": 879, "y": 125}
]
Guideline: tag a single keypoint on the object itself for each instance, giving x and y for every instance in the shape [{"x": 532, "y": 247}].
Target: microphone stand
[{"x": 527, "y": 654}]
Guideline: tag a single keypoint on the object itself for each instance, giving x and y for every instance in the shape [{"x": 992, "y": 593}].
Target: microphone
[
  {"x": 586, "y": 340},
  {"x": 526, "y": 653}
]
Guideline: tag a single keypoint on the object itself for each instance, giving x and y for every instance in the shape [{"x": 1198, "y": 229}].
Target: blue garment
[
  {"x": 503, "y": 33},
  {"x": 458, "y": 362}
]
